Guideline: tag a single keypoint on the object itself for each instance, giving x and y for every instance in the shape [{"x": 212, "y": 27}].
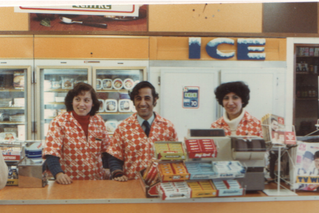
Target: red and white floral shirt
[
  {"x": 80, "y": 157},
  {"x": 249, "y": 125},
  {"x": 130, "y": 144}
]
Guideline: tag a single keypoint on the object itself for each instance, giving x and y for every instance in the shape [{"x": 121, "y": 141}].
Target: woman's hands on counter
[{"x": 62, "y": 178}]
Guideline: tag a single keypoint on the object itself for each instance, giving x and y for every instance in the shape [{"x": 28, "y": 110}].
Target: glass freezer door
[
  {"x": 112, "y": 86},
  {"x": 15, "y": 103},
  {"x": 53, "y": 85}
]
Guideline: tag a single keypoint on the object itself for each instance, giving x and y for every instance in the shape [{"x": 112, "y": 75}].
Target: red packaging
[{"x": 201, "y": 148}]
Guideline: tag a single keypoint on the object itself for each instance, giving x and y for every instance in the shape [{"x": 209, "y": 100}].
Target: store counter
[{"x": 112, "y": 196}]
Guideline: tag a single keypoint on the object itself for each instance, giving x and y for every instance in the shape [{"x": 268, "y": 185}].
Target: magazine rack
[{"x": 281, "y": 190}]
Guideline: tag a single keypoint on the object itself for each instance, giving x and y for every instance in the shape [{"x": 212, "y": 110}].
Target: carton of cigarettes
[
  {"x": 201, "y": 148},
  {"x": 174, "y": 190},
  {"x": 229, "y": 169},
  {"x": 202, "y": 189},
  {"x": 228, "y": 188},
  {"x": 175, "y": 171},
  {"x": 200, "y": 170},
  {"x": 169, "y": 150}
]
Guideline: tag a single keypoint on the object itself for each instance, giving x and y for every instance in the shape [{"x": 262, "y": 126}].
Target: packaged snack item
[
  {"x": 107, "y": 84},
  {"x": 110, "y": 105},
  {"x": 18, "y": 80},
  {"x": 101, "y": 109},
  {"x": 201, "y": 148},
  {"x": 169, "y": 150},
  {"x": 174, "y": 190},
  {"x": 67, "y": 83},
  {"x": 56, "y": 82},
  {"x": 125, "y": 105},
  {"x": 111, "y": 125},
  {"x": 128, "y": 84},
  {"x": 229, "y": 169},
  {"x": 202, "y": 189},
  {"x": 99, "y": 84},
  {"x": 17, "y": 117},
  {"x": 175, "y": 171},
  {"x": 7, "y": 136},
  {"x": 200, "y": 170},
  {"x": 228, "y": 188},
  {"x": 117, "y": 84}
]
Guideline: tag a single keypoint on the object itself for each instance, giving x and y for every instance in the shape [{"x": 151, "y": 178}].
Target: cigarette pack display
[
  {"x": 174, "y": 190},
  {"x": 111, "y": 125},
  {"x": 110, "y": 105},
  {"x": 18, "y": 80},
  {"x": 228, "y": 188},
  {"x": 175, "y": 171},
  {"x": 107, "y": 84},
  {"x": 128, "y": 84},
  {"x": 117, "y": 84},
  {"x": 204, "y": 188},
  {"x": 125, "y": 105},
  {"x": 149, "y": 190},
  {"x": 229, "y": 169},
  {"x": 200, "y": 170},
  {"x": 67, "y": 83},
  {"x": 169, "y": 150},
  {"x": 201, "y": 148},
  {"x": 101, "y": 101},
  {"x": 17, "y": 117}
]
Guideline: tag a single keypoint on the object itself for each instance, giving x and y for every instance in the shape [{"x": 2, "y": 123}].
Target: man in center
[{"x": 131, "y": 147}]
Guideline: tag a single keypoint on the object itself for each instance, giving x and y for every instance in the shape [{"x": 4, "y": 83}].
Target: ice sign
[{"x": 191, "y": 97}]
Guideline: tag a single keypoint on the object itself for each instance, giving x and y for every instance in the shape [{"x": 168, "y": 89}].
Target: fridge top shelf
[
  {"x": 11, "y": 90},
  {"x": 12, "y": 122},
  {"x": 12, "y": 108}
]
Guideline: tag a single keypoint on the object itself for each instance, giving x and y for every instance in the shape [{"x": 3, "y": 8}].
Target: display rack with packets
[
  {"x": 201, "y": 148},
  {"x": 169, "y": 150}
]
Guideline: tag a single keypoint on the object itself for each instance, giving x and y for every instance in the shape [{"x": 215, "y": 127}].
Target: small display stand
[{"x": 281, "y": 146}]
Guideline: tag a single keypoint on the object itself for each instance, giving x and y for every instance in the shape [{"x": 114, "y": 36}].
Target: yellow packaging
[
  {"x": 169, "y": 150},
  {"x": 173, "y": 172},
  {"x": 202, "y": 189}
]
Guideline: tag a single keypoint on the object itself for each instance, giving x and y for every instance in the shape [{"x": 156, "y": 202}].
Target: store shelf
[
  {"x": 54, "y": 103},
  {"x": 115, "y": 113},
  {"x": 12, "y": 122},
  {"x": 307, "y": 99},
  {"x": 11, "y": 90},
  {"x": 56, "y": 90},
  {"x": 112, "y": 90},
  {"x": 12, "y": 108}
]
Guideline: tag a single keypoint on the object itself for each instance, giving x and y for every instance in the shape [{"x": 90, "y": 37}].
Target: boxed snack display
[
  {"x": 203, "y": 188},
  {"x": 174, "y": 190},
  {"x": 7, "y": 136},
  {"x": 18, "y": 80},
  {"x": 175, "y": 171},
  {"x": 117, "y": 84},
  {"x": 228, "y": 188},
  {"x": 110, "y": 105},
  {"x": 228, "y": 169},
  {"x": 151, "y": 189},
  {"x": 151, "y": 175},
  {"x": 200, "y": 170},
  {"x": 107, "y": 84},
  {"x": 169, "y": 150},
  {"x": 201, "y": 148},
  {"x": 5, "y": 102},
  {"x": 11, "y": 153},
  {"x": 125, "y": 105}
]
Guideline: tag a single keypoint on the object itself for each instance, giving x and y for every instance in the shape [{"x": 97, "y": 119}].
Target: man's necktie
[{"x": 147, "y": 127}]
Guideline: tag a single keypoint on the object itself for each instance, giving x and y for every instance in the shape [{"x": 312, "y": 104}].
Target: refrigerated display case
[
  {"x": 15, "y": 103},
  {"x": 306, "y": 88},
  {"x": 112, "y": 85},
  {"x": 53, "y": 84}
]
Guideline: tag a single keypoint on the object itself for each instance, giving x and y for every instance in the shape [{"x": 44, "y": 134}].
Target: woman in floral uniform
[
  {"x": 234, "y": 96},
  {"x": 77, "y": 138}
]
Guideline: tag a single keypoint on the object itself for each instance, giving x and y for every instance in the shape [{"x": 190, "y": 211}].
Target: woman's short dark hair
[
  {"x": 237, "y": 87},
  {"x": 78, "y": 89},
  {"x": 143, "y": 84}
]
